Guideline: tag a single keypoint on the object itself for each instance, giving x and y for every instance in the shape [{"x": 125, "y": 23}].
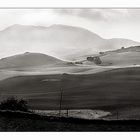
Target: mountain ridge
[{"x": 61, "y": 41}]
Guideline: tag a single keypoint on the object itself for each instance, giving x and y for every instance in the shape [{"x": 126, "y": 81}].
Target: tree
[
  {"x": 101, "y": 53},
  {"x": 95, "y": 59},
  {"x": 14, "y": 104}
]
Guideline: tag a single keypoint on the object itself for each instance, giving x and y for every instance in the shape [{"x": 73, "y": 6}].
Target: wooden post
[
  {"x": 67, "y": 112},
  {"x": 61, "y": 94},
  {"x": 60, "y": 105}
]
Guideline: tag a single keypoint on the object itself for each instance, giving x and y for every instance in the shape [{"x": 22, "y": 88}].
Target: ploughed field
[{"x": 111, "y": 89}]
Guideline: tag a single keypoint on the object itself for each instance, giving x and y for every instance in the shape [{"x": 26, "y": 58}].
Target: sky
[{"x": 108, "y": 23}]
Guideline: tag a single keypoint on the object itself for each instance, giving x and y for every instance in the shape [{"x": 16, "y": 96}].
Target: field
[
  {"x": 109, "y": 90},
  {"x": 122, "y": 59}
]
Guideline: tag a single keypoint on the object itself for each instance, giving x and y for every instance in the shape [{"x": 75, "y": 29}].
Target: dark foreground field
[
  {"x": 112, "y": 89},
  {"x": 15, "y": 121}
]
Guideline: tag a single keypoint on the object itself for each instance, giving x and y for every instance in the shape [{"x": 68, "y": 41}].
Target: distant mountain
[
  {"x": 28, "y": 60},
  {"x": 65, "y": 42}
]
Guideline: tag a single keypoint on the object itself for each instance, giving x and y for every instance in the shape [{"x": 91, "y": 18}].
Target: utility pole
[
  {"x": 61, "y": 94},
  {"x": 67, "y": 112},
  {"x": 60, "y": 105}
]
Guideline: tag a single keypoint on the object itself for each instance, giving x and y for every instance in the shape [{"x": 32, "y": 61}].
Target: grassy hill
[
  {"x": 28, "y": 60},
  {"x": 111, "y": 89},
  {"x": 122, "y": 59}
]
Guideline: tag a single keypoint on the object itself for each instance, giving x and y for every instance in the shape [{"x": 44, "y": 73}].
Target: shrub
[
  {"x": 95, "y": 59},
  {"x": 101, "y": 53},
  {"x": 14, "y": 104}
]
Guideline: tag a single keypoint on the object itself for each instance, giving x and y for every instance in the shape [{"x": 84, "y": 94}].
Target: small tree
[
  {"x": 101, "y": 53},
  {"x": 14, "y": 104},
  {"x": 95, "y": 59}
]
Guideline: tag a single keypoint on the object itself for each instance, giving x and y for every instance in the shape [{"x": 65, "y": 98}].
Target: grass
[
  {"x": 116, "y": 91},
  {"x": 114, "y": 88},
  {"x": 122, "y": 59}
]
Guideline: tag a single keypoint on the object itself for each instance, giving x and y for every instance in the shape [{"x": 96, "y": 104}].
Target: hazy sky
[{"x": 108, "y": 23}]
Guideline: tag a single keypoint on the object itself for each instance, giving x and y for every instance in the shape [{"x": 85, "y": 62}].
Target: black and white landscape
[{"x": 74, "y": 65}]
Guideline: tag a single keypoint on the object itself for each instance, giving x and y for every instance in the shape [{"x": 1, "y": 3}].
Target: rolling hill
[
  {"x": 124, "y": 49},
  {"x": 122, "y": 57},
  {"x": 111, "y": 89},
  {"x": 65, "y": 42},
  {"x": 28, "y": 60}
]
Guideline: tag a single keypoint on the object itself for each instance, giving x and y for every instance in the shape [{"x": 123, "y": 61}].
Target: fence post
[
  {"x": 67, "y": 112},
  {"x": 60, "y": 105}
]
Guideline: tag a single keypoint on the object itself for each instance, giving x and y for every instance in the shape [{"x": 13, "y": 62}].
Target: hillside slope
[
  {"x": 28, "y": 60},
  {"x": 122, "y": 57},
  {"x": 111, "y": 89}
]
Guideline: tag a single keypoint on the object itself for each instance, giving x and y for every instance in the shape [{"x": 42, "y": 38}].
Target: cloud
[
  {"x": 108, "y": 23},
  {"x": 38, "y": 17},
  {"x": 96, "y": 14}
]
